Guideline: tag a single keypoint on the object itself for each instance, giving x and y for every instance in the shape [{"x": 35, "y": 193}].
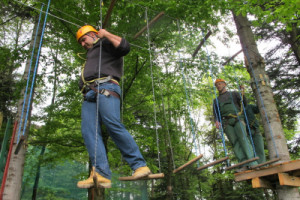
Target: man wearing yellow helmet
[
  {"x": 227, "y": 109},
  {"x": 99, "y": 85}
]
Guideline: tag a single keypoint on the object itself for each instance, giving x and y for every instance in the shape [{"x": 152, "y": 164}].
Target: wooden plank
[
  {"x": 241, "y": 163},
  {"x": 109, "y": 11},
  {"x": 286, "y": 179},
  {"x": 232, "y": 57},
  {"x": 155, "y": 19},
  {"x": 213, "y": 163},
  {"x": 270, "y": 170},
  {"x": 150, "y": 176},
  {"x": 187, "y": 164},
  {"x": 265, "y": 163},
  {"x": 261, "y": 183},
  {"x": 201, "y": 43},
  {"x": 19, "y": 145}
]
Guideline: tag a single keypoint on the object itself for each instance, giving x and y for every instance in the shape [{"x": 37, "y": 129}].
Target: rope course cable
[
  {"x": 217, "y": 111},
  {"x": 28, "y": 76},
  {"x": 153, "y": 90},
  {"x": 34, "y": 73},
  {"x": 99, "y": 75},
  {"x": 245, "y": 115},
  {"x": 260, "y": 98},
  {"x": 49, "y": 14},
  {"x": 188, "y": 108}
]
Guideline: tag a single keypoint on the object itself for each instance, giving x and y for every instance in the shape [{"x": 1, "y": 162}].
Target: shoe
[
  {"x": 141, "y": 172},
  {"x": 88, "y": 183}
]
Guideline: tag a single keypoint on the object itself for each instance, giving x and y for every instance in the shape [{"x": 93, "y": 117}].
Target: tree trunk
[
  {"x": 13, "y": 184},
  {"x": 37, "y": 176},
  {"x": 275, "y": 137},
  {"x": 294, "y": 41}
]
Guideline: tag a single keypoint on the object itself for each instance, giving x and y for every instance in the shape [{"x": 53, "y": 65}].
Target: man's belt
[{"x": 108, "y": 93}]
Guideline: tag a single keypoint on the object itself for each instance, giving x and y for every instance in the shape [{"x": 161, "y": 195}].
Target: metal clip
[
  {"x": 104, "y": 92},
  {"x": 106, "y": 79}
]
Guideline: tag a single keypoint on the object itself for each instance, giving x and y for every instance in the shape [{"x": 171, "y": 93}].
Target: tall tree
[{"x": 263, "y": 92}]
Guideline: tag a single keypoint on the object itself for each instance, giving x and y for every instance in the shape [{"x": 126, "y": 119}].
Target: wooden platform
[
  {"x": 150, "y": 176},
  {"x": 286, "y": 173}
]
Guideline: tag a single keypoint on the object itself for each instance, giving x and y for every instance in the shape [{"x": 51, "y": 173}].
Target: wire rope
[
  {"x": 244, "y": 132},
  {"x": 97, "y": 95},
  {"x": 217, "y": 109},
  {"x": 49, "y": 14},
  {"x": 186, "y": 93},
  {"x": 166, "y": 122},
  {"x": 28, "y": 76},
  {"x": 244, "y": 112},
  {"x": 153, "y": 90},
  {"x": 36, "y": 66},
  {"x": 34, "y": 74},
  {"x": 260, "y": 98}
]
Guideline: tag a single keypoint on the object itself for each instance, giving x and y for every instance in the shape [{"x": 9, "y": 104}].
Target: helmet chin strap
[{"x": 221, "y": 92}]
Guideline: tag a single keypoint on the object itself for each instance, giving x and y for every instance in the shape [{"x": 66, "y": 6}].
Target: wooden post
[
  {"x": 258, "y": 182},
  {"x": 286, "y": 179}
]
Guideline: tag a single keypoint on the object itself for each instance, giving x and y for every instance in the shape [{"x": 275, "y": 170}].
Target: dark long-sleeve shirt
[{"x": 111, "y": 60}]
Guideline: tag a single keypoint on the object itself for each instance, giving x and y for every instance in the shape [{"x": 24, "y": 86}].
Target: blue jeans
[{"x": 108, "y": 114}]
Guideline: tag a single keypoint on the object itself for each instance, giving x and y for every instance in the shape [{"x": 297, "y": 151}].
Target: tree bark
[
  {"x": 273, "y": 128},
  {"x": 13, "y": 184}
]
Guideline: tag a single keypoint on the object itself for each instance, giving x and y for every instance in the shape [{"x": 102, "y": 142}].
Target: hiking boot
[
  {"x": 102, "y": 181},
  {"x": 141, "y": 172},
  {"x": 88, "y": 183}
]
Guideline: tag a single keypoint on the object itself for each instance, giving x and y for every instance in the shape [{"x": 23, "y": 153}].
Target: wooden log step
[
  {"x": 213, "y": 163},
  {"x": 150, "y": 176},
  {"x": 241, "y": 163},
  {"x": 265, "y": 163},
  {"x": 187, "y": 164}
]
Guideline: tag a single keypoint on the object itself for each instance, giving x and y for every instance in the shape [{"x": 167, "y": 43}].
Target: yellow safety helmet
[
  {"x": 84, "y": 30},
  {"x": 219, "y": 80}
]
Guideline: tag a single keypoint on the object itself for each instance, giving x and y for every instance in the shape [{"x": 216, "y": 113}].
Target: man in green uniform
[
  {"x": 227, "y": 109},
  {"x": 258, "y": 141}
]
